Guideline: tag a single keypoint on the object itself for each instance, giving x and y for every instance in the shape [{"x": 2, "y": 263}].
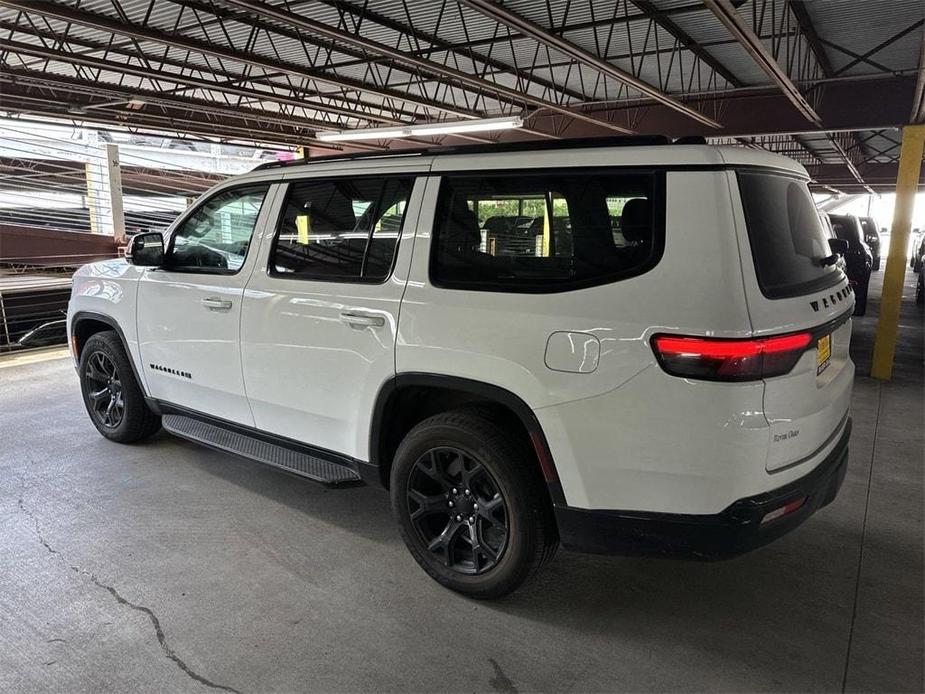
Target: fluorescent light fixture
[{"x": 456, "y": 127}]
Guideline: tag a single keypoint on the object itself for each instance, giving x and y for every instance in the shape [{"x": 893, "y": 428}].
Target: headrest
[
  {"x": 636, "y": 220},
  {"x": 463, "y": 228}
]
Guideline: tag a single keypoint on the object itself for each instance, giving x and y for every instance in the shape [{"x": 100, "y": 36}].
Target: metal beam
[
  {"x": 849, "y": 164},
  {"x": 880, "y": 46},
  {"x": 801, "y": 15},
  {"x": 726, "y": 13},
  {"x": 504, "y": 16},
  {"x": 38, "y": 78},
  {"x": 918, "y": 100},
  {"x": 357, "y": 110},
  {"x": 439, "y": 44},
  {"x": 109, "y": 24},
  {"x": 685, "y": 40},
  {"x": 170, "y": 121},
  {"x": 377, "y": 48}
]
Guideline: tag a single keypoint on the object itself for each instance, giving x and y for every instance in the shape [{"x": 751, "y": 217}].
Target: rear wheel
[
  {"x": 469, "y": 505},
  {"x": 920, "y": 289},
  {"x": 111, "y": 394}
]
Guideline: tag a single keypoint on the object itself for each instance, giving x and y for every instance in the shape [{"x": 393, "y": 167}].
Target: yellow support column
[{"x": 907, "y": 182}]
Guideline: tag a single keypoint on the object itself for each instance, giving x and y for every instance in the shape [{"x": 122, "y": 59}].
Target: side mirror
[
  {"x": 883, "y": 230},
  {"x": 839, "y": 246},
  {"x": 146, "y": 250}
]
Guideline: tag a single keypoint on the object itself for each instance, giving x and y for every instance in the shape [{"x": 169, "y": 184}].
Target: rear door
[
  {"x": 793, "y": 284},
  {"x": 321, "y": 312}
]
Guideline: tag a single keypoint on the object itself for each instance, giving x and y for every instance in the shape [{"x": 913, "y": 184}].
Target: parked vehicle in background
[
  {"x": 918, "y": 254},
  {"x": 918, "y": 266},
  {"x": 858, "y": 259},
  {"x": 47, "y": 334},
  {"x": 872, "y": 239},
  {"x": 830, "y": 234},
  {"x": 920, "y": 288},
  {"x": 915, "y": 240},
  {"x": 626, "y": 346}
]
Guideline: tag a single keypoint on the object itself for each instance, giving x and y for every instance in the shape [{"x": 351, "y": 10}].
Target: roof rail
[{"x": 524, "y": 146}]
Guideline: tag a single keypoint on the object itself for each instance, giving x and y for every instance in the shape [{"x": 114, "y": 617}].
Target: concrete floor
[{"x": 166, "y": 567}]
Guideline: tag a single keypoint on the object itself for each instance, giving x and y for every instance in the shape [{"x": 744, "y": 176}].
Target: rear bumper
[{"x": 734, "y": 531}]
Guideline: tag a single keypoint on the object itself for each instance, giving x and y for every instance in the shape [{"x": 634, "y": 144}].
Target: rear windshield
[
  {"x": 847, "y": 230},
  {"x": 787, "y": 238}
]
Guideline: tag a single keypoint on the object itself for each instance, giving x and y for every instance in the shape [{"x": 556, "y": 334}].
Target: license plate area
[{"x": 823, "y": 353}]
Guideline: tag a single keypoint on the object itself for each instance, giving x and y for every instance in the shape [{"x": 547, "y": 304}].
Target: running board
[{"x": 295, "y": 461}]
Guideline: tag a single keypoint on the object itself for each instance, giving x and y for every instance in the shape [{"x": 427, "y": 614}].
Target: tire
[
  {"x": 111, "y": 394},
  {"x": 860, "y": 299},
  {"x": 920, "y": 291},
  {"x": 514, "y": 529},
  {"x": 877, "y": 265}
]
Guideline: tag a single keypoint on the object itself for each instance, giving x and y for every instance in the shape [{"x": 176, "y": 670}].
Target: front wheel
[
  {"x": 470, "y": 506},
  {"x": 111, "y": 394}
]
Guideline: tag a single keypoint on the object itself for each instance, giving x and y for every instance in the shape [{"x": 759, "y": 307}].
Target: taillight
[{"x": 716, "y": 359}]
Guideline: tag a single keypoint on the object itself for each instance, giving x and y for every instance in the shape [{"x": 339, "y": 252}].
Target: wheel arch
[
  {"x": 429, "y": 394},
  {"x": 86, "y": 324}
]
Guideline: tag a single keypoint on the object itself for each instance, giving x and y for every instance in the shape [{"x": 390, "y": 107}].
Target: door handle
[
  {"x": 363, "y": 320},
  {"x": 213, "y": 303}
]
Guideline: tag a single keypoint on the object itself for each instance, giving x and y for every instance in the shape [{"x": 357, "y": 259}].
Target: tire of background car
[
  {"x": 860, "y": 298},
  {"x": 920, "y": 290},
  {"x": 876, "y": 264},
  {"x": 110, "y": 392},
  {"x": 469, "y": 504}
]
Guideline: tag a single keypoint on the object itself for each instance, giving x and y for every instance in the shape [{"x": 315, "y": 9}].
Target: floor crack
[{"x": 155, "y": 622}]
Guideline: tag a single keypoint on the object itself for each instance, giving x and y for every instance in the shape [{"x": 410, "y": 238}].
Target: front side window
[
  {"x": 546, "y": 231},
  {"x": 340, "y": 229},
  {"x": 787, "y": 239},
  {"x": 216, "y": 236}
]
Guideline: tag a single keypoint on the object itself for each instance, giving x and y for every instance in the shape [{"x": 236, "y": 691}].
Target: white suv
[{"x": 626, "y": 346}]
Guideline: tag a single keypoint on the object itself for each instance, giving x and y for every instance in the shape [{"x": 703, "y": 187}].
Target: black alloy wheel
[
  {"x": 114, "y": 400},
  {"x": 458, "y": 510},
  {"x": 105, "y": 390},
  {"x": 470, "y": 502}
]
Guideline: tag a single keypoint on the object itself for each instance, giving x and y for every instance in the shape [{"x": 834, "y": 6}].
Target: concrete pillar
[
  {"x": 907, "y": 182},
  {"x": 104, "y": 193}
]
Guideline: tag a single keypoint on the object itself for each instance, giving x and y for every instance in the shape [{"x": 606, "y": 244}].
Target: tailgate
[
  {"x": 808, "y": 408},
  {"x": 793, "y": 284}
]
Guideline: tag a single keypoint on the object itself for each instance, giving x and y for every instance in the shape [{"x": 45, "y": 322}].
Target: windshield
[{"x": 787, "y": 238}]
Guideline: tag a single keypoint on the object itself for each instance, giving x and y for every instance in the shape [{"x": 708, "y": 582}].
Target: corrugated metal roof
[{"x": 603, "y": 28}]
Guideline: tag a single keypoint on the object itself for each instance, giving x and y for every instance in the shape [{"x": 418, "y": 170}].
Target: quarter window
[
  {"x": 546, "y": 231},
  {"x": 216, "y": 236},
  {"x": 787, "y": 239},
  {"x": 340, "y": 229}
]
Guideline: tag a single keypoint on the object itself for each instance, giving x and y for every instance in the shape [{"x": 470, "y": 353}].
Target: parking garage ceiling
[{"x": 825, "y": 82}]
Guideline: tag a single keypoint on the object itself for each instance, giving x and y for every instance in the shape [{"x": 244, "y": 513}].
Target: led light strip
[{"x": 456, "y": 127}]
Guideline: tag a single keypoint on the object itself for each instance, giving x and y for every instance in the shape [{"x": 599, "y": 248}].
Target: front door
[
  {"x": 189, "y": 311},
  {"x": 319, "y": 322}
]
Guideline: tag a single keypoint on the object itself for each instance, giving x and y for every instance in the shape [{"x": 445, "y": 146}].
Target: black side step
[{"x": 298, "y": 462}]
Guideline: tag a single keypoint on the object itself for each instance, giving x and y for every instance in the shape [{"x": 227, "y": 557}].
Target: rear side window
[
  {"x": 549, "y": 231},
  {"x": 340, "y": 229},
  {"x": 787, "y": 239}
]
